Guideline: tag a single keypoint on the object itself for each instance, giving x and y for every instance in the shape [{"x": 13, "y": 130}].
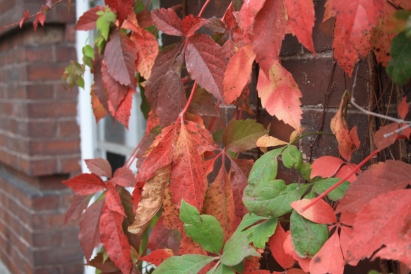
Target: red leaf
[
  {"x": 167, "y": 21},
  {"x": 268, "y": 40},
  {"x": 156, "y": 257},
  {"x": 122, "y": 7},
  {"x": 116, "y": 91},
  {"x": 301, "y": 17},
  {"x": 238, "y": 73},
  {"x": 161, "y": 237},
  {"x": 330, "y": 258},
  {"x": 122, "y": 114},
  {"x": 147, "y": 50},
  {"x": 98, "y": 108},
  {"x": 378, "y": 179},
  {"x": 405, "y": 4},
  {"x": 247, "y": 14},
  {"x": 99, "y": 166},
  {"x": 135, "y": 198},
  {"x": 113, "y": 201},
  {"x": 384, "y": 221},
  {"x": 170, "y": 214},
  {"x": 25, "y": 16},
  {"x": 78, "y": 204},
  {"x": 188, "y": 246},
  {"x": 191, "y": 24},
  {"x": 320, "y": 212},
  {"x": 120, "y": 55},
  {"x": 276, "y": 243},
  {"x": 289, "y": 249},
  {"x": 89, "y": 235},
  {"x": 240, "y": 170},
  {"x": 114, "y": 240},
  {"x": 123, "y": 176},
  {"x": 345, "y": 235},
  {"x": 40, "y": 17},
  {"x": 85, "y": 184},
  {"x": 344, "y": 170},
  {"x": 206, "y": 63},
  {"x": 403, "y": 108},
  {"x": 325, "y": 166},
  {"x": 382, "y": 142},
  {"x": 98, "y": 86},
  {"x": 35, "y": 23},
  {"x": 280, "y": 95},
  {"x": 144, "y": 19}
]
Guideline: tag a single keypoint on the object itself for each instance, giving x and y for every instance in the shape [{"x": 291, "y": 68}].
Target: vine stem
[
  {"x": 203, "y": 8},
  {"x": 229, "y": 7},
  {"x": 322, "y": 195},
  {"x": 189, "y": 100}
]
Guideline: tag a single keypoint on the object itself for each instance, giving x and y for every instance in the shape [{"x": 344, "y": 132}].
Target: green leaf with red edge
[
  {"x": 122, "y": 114},
  {"x": 88, "y": 20},
  {"x": 386, "y": 226},
  {"x": 120, "y": 55},
  {"x": 238, "y": 73},
  {"x": 320, "y": 212},
  {"x": 113, "y": 201},
  {"x": 267, "y": 41},
  {"x": 191, "y": 263},
  {"x": 247, "y": 14},
  {"x": 151, "y": 200},
  {"x": 156, "y": 257},
  {"x": 89, "y": 235},
  {"x": 162, "y": 237},
  {"x": 378, "y": 179},
  {"x": 276, "y": 243},
  {"x": 382, "y": 142},
  {"x": 147, "y": 51},
  {"x": 116, "y": 92},
  {"x": 85, "y": 184},
  {"x": 242, "y": 135},
  {"x": 325, "y": 166},
  {"x": 114, "y": 240},
  {"x": 190, "y": 24},
  {"x": 167, "y": 21},
  {"x": 403, "y": 108},
  {"x": 301, "y": 17},
  {"x": 123, "y": 176},
  {"x": 289, "y": 249},
  {"x": 122, "y": 7},
  {"x": 99, "y": 166},
  {"x": 77, "y": 206},
  {"x": 206, "y": 63},
  {"x": 280, "y": 95},
  {"x": 330, "y": 258}
]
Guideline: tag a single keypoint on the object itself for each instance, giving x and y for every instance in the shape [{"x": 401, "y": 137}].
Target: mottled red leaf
[
  {"x": 203, "y": 104},
  {"x": 122, "y": 7},
  {"x": 167, "y": 21},
  {"x": 85, "y": 184},
  {"x": 113, "y": 201},
  {"x": 320, "y": 212},
  {"x": 381, "y": 141},
  {"x": 238, "y": 73},
  {"x": 123, "y": 176},
  {"x": 122, "y": 114},
  {"x": 325, "y": 166},
  {"x": 276, "y": 244},
  {"x": 405, "y": 4},
  {"x": 162, "y": 237},
  {"x": 301, "y": 17},
  {"x": 77, "y": 206},
  {"x": 88, "y": 20},
  {"x": 116, "y": 91},
  {"x": 247, "y": 14},
  {"x": 98, "y": 86},
  {"x": 147, "y": 50},
  {"x": 345, "y": 235},
  {"x": 89, "y": 235},
  {"x": 114, "y": 240},
  {"x": 206, "y": 63},
  {"x": 378, "y": 179},
  {"x": 403, "y": 108},
  {"x": 99, "y": 166},
  {"x": 345, "y": 170},
  {"x": 289, "y": 249},
  {"x": 328, "y": 12},
  {"x": 156, "y": 257},
  {"x": 268, "y": 40},
  {"x": 188, "y": 246},
  {"x": 329, "y": 259},
  {"x": 384, "y": 222},
  {"x": 190, "y": 24},
  {"x": 144, "y": 19},
  {"x": 170, "y": 214},
  {"x": 280, "y": 95}
]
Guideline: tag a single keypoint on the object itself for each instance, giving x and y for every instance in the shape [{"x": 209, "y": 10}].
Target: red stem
[
  {"x": 203, "y": 8},
  {"x": 229, "y": 7},
  {"x": 363, "y": 162},
  {"x": 189, "y": 100}
]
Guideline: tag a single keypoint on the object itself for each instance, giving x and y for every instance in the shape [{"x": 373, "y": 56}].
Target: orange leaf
[
  {"x": 147, "y": 50},
  {"x": 325, "y": 166},
  {"x": 329, "y": 259},
  {"x": 320, "y": 212},
  {"x": 403, "y": 108},
  {"x": 276, "y": 243},
  {"x": 156, "y": 257}
]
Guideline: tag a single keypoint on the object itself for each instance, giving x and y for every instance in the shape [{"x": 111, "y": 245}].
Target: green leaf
[
  {"x": 305, "y": 171},
  {"x": 292, "y": 157},
  {"x": 88, "y": 51},
  {"x": 248, "y": 220},
  {"x": 104, "y": 21},
  {"x": 322, "y": 185},
  {"x": 187, "y": 264},
  {"x": 218, "y": 135},
  {"x": 307, "y": 237},
  {"x": 260, "y": 233},
  {"x": 265, "y": 168},
  {"x": 203, "y": 229},
  {"x": 399, "y": 68},
  {"x": 242, "y": 135},
  {"x": 221, "y": 269},
  {"x": 236, "y": 249},
  {"x": 272, "y": 198},
  {"x": 80, "y": 82}
]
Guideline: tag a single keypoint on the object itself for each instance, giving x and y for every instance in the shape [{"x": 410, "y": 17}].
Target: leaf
[
  {"x": 269, "y": 141},
  {"x": 114, "y": 240},
  {"x": 280, "y": 95},
  {"x": 247, "y": 14},
  {"x": 289, "y": 249},
  {"x": 77, "y": 206},
  {"x": 325, "y": 166},
  {"x": 156, "y": 257},
  {"x": 378, "y": 179},
  {"x": 85, "y": 184},
  {"x": 203, "y": 229},
  {"x": 265, "y": 168},
  {"x": 323, "y": 184},
  {"x": 320, "y": 212},
  {"x": 238, "y": 73},
  {"x": 260, "y": 233},
  {"x": 206, "y": 63},
  {"x": 301, "y": 17},
  {"x": 242, "y": 135},
  {"x": 122, "y": 7},
  {"x": 102, "y": 263},
  {"x": 187, "y": 264},
  {"x": 99, "y": 166},
  {"x": 113, "y": 201},
  {"x": 384, "y": 222},
  {"x": 120, "y": 56},
  {"x": 221, "y": 269},
  {"x": 267, "y": 41},
  {"x": 292, "y": 157},
  {"x": 203, "y": 104},
  {"x": 123, "y": 176},
  {"x": 381, "y": 141},
  {"x": 345, "y": 170},
  {"x": 151, "y": 200},
  {"x": 103, "y": 23},
  {"x": 307, "y": 237},
  {"x": 98, "y": 108},
  {"x": 240, "y": 169},
  {"x": 24, "y": 18},
  {"x": 398, "y": 68},
  {"x": 88, "y": 20},
  {"x": 161, "y": 237},
  {"x": 276, "y": 243},
  {"x": 147, "y": 51},
  {"x": 403, "y": 108},
  {"x": 190, "y": 24},
  {"x": 236, "y": 249},
  {"x": 330, "y": 258},
  {"x": 122, "y": 114},
  {"x": 167, "y": 21},
  {"x": 89, "y": 235},
  {"x": 272, "y": 198},
  {"x": 116, "y": 92}
]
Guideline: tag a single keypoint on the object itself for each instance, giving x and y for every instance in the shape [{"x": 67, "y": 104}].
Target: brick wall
[{"x": 39, "y": 142}]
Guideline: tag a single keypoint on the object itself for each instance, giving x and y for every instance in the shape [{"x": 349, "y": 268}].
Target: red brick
[
  {"x": 70, "y": 254},
  {"x": 70, "y": 165},
  {"x": 54, "y": 147},
  {"x": 46, "y": 238},
  {"x": 40, "y": 92},
  {"x": 17, "y": 92},
  {"x": 68, "y": 129},
  {"x": 46, "y": 202},
  {"x": 19, "y": 55},
  {"x": 69, "y": 233},
  {"x": 65, "y": 54},
  {"x": 40, "y": 54},
  {"x": 40, "y": 72},
  {"x": 42, "y": 129},
  {"x": 38, "y": 167},
  {"x": 47, "y": 221},
  {"x": 52, "y": 109},
  {"x": 48, "y": 269},
  {"x": 61, "y": 92}
]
